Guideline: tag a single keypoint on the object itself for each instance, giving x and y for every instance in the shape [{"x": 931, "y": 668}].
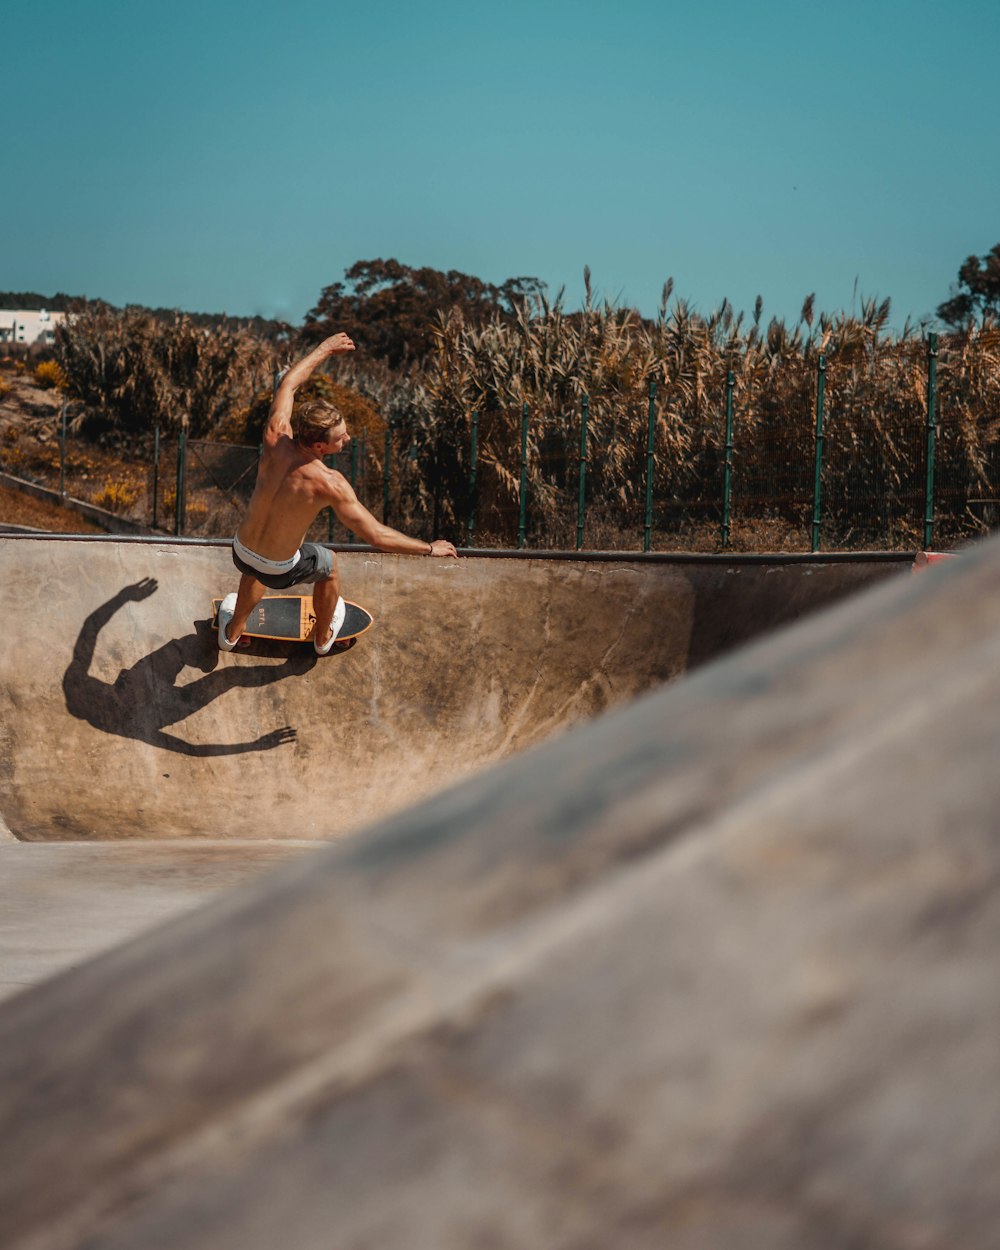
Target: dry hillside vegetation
[
  {"x": 29, "y": 449},
  {"x": 129, "y": 373}
]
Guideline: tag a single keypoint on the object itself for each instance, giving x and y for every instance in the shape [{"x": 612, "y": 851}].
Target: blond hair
[{"x": 314, "y": 421}]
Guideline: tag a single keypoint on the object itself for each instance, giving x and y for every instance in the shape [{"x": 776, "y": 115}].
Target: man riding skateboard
[{"x": 293, "y": 486}]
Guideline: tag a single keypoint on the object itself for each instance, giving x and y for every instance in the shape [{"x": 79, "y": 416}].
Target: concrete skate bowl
[
  {"x": 119, "y": 718},
  {"x": 716, "y": 969}
]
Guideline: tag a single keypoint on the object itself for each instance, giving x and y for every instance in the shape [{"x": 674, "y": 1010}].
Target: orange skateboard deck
[{"x": 291, "y": 618}]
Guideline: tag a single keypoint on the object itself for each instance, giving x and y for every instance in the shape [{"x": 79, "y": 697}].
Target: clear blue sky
[{"x": 238, "y": 156}]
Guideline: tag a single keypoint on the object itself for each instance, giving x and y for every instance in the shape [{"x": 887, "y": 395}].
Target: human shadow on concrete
[{"x": 145, "y": 698}]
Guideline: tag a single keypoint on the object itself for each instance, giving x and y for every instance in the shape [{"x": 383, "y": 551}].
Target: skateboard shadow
[{"x": 145, "y": 698}]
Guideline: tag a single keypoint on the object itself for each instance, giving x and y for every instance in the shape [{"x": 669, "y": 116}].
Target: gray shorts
[{"x": 314, "y": 563}]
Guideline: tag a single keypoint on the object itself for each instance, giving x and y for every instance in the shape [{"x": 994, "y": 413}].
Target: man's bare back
[{"x": 292, "y": 489}]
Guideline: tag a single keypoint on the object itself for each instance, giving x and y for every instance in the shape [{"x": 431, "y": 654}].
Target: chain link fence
[
  {"x": 844, "y": 458},
  {"x": 840, "y": 456}
]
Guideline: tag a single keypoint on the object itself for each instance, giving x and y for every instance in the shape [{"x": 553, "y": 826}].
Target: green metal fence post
[
  {"x": 354, "y": 483},
  {"x": 473, "y": 455},
  {"x": 436, "y": 482},
  {"x": 585, "y": 411},
  {"x": 385, "y": 476},
  {"x": 156, "y": 474},
  {"x": 818, "y": 481},
  {"x": 331, "y": 463},
  {"x": 179, "y": 501},
  {"x": 62, "y": 452},
  {"x": 727, "y": 473},
  {"x": 523, "y": 517},
  {"x": 647, "y": 532},
  {"x": 931, "y": 439}
]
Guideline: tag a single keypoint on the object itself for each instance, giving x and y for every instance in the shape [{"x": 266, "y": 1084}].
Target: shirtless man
[{"x": 293, "y": 486}]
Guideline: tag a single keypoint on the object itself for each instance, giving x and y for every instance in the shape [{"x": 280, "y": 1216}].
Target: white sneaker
[
  {"x": 339, "y": 612},
  {"x": 226, "y": 609}
]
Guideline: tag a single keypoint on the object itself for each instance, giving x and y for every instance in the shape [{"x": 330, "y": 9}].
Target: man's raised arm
[{"x": 279, "y": 419}]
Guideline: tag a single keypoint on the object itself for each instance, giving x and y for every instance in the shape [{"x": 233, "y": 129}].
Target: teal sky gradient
[{"x": 237, "y": 157}]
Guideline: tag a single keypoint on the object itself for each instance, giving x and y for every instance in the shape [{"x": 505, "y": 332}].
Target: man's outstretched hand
[{"x": 441, "y": 547}]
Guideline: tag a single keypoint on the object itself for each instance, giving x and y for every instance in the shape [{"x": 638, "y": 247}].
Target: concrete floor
[{"x": 63, "y": 902}]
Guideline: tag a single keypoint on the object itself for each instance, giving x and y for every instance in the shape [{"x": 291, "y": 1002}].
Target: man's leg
[
  {"x": 325, "y": 596},
  {"x": 250, "y": 593}
]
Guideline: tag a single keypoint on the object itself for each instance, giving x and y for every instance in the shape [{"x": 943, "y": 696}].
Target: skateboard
[{"x": 290, "y": 618}]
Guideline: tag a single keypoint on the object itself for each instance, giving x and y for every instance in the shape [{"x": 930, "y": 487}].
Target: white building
[{"x": 28, "y": 325}]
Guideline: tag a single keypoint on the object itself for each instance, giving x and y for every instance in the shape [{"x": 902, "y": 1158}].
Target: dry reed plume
[{"x": 874, "y": 417}]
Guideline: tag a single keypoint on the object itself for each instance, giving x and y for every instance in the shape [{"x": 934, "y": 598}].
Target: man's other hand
[{"x": 337, "y": 344}]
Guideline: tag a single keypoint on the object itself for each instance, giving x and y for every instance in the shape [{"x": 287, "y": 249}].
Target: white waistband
[{"x": 260, "y": 564}]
